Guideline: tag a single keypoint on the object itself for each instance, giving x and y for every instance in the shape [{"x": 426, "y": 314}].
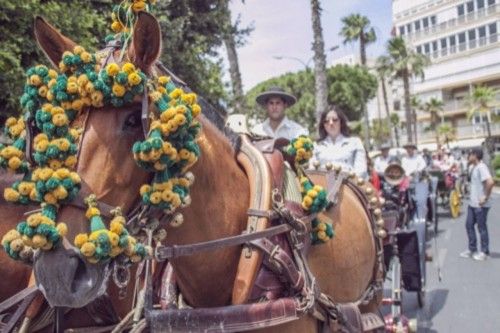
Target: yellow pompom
[
  {"x": 55, "y": 164},
  {"x": 17, "y": 244},
  {"x": 33, "y": 195},
  {"x": 60, "y": 119},
  {"x": 70, "y": 161},
  {"x": 62, "y": 228},
  {"x": 184, "y": 154},
  {"x": 167, "y": 195},
  {"x": 72, "y": 87},
  {"x": 92, "y": 211},
  {"x": 10, "y": 236},
  {"x": 86, "y": 57},
  {"x": 318, "y": 188},
  {"x": 134, "y": 79},
  {"x": 180, "y": 119},
  {"x": 155, "y": 198},
  {"x": 27, "y": 241},
  {"x": 78, "y": 49},
  {"x": 82, "y": 80},
  {"x": 80, "y": 239},
  {"x": 60, "y": 193},
  {"x": 41, "y": 146},
  {"x": 116, "y": 26},
  {"x": 112, "y": 69},
  {"x": 50, "y": 199},
  {"x": 42, "y": 91},
  {"x": 14, "y": 163},
  {"x": 34, "y": 220},
  {"x": 25, "y": 188},
  {"x": 35, "y": 80},
  {"x": 52, "y": 74},
  {"x": 75, "y": 178},
  {"x": 176, "y": 93},
  {"x": 307, "y": 202},
  {"x": 322, "y": 236},
  {"x": 128, "y": 67},
  {"x": 145, "y": 189},
  {"x": 138, "y": 6},
  {"x": 163, "y": 80},
  {"x": 312, "y": 193},
  {"x": 10, "y": 121},
  {"x": 63, "y": 144},
  {"x": 118, "y": 90},
  {"x": 115, "y": 250},
  {"x": 116, "y": 227},
  {"x": 45, "y": 174},
  {"x": 88, "y": 249},
  {"x": 11, "y": 195},
  {"x": 196, "y": 110},
  {"x": 159, "y": 166},
  {"x": 155, "y": 96},
  {"x": 56, "y": 110},
  {"x": 39, "y": 241},
  {"x": 62, "y": 173},
  {"x": 321, "y": 227}
]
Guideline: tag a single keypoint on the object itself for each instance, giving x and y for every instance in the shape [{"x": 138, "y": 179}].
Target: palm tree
[
  {"x": 447, "y": 133},
  {"x": 228, "y": 36},
  {"x": 435, "y": 108},
  {"x": 357, "y": 27},
  {"x": 395, "y": 122},
  {"x": 383, "y": 67},
  {"x": 406, "y": 64},
  {"x": 481, "y": 102},
  {"x": 416, "y": 105},
  {"x": 321, "y": 90}
]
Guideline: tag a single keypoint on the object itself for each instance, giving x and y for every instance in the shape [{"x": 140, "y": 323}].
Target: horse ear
[
  {"x": 51, "y": 41},
  {"x": 146, "y": 43}
]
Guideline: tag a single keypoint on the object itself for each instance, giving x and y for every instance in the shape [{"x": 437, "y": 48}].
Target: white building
[{"x": 461, "y": 39}]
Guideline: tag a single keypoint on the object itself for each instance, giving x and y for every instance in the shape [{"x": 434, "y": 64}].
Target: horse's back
[{"x": 344, "y": 266}]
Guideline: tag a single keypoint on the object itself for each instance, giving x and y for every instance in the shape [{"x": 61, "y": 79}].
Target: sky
[{"x": 284, "y": 28}]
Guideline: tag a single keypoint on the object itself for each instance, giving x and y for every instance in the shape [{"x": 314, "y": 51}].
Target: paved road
[{"x": 467, "y": 299}]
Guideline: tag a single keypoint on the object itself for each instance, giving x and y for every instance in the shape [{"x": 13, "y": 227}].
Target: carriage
[{"x": 448, "y": 194}]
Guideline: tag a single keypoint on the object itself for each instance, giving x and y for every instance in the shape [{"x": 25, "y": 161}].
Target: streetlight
[{"x": 305, "y": 64}]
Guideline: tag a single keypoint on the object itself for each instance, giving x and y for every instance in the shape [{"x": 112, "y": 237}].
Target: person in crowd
[
  {"x": 413, "y": 163},
  {"x": 426, "y": 154},
  {"x": 382, "y": 161},
  {"x": 337, "y": 146},
  {"x": 275, "y": 100},
  {"x": 481, "y": 185}
]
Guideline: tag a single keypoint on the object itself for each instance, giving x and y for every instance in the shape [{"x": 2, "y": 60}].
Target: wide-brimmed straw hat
[
  {"x": 275, "y": 92},
  {"x": 410, "y": 145},
  {"x": 385, "y": 146}
]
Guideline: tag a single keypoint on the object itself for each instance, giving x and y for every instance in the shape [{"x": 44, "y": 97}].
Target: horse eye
[{"x": 133, "y": 121}]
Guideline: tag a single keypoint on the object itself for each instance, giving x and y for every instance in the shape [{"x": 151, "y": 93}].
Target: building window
[
  {"x": 493, "y": 29},
  {"x": 480, "y": 4},
  {"x": 402, "y": 30},
  {"x": 470, "y": 6},
  {"x": 434, "y": 46},
  {"x": 460, "y": 10},
  {"x": 491, "y": 2},
  {"x": 481, "y": 32},
  {"x": 425, "y": 22},
  {"x": 419, "y": 49},
  {"x": 408, "y": 28},
  {"x": 443, "y": 43},
  {"x": 427, "y": 48},
  {"x": 417, "y": 25},
  {"x": 453, "y": 40},
  {"x": 472, "y": 34},
  {"x": 461, "y": 38},
  {"x": 433, "y": 20}
]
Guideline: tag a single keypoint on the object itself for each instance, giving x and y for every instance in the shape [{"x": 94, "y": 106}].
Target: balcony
[{"x": 455, "y": 22}]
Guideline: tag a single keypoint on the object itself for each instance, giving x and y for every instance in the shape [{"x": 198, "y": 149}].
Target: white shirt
[
  {"x": 479, "y": 174},
  {"x": 287, "y": 129},
  {"x": 381, "y": 163},
  {"x": 348, "y": 153},
  {"x": 413, "y": 164}
]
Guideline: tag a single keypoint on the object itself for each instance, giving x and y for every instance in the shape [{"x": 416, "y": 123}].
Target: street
[{"x": 467, "y": 299}]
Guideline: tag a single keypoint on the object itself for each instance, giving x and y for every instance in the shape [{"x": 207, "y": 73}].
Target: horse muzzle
[{"x": 66, "y": 279}]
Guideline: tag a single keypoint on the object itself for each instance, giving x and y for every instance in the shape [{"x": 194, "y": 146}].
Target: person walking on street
[
  {"x": 275, "y": 100},
  {"x": 480, "y": 190}
]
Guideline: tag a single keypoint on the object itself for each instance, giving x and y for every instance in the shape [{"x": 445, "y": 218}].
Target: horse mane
[{"x": 216, "y": 116}]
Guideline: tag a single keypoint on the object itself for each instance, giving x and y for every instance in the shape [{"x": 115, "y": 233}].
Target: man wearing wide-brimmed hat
[
  {"x": 275, "y": 100},
  {"x": 413, "y": 163},
  {"x": 382, "y": 161}
]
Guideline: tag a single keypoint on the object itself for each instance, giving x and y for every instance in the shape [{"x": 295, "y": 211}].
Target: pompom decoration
[
  {"x": 300, "y": 147},
  {"x": 322, "y": 232},
  {"x": 104, "y": 244}
]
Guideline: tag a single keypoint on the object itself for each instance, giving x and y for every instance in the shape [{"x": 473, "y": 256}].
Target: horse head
[{"x": 105, "y": 165}]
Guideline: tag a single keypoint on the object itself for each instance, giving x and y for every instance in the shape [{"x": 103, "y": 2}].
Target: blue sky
[{"x": 283, "y": 28}]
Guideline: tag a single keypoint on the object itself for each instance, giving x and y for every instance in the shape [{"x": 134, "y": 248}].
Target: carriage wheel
[{"x": 454, "y": 204}]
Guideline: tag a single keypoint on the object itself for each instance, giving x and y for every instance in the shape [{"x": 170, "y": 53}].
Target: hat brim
[
  {"x": 410, "y": 146},
  {"x": 262, "y": 98}
]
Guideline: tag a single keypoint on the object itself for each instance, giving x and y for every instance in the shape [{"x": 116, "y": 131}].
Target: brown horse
[{"x": 220, "y": 197}]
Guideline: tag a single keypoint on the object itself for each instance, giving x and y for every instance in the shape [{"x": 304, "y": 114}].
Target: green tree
[
  {"x": 357, "y": 28},
  {"x": 405, "y": 64},
  {"x": 350, "y": 87},
  {"x": 416, "y": 106},
  {"x": 381, "y": 132},
  {"x": 481, "y": 103},
  {"x": 446, "y": 133},
  {"x": 396, "y": 124},
  {"x": 383, "y": 67},
  {"x": 435, "y": 109}
]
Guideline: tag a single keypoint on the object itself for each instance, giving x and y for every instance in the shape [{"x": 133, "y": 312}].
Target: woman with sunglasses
[{"x": 337, "y": 146}]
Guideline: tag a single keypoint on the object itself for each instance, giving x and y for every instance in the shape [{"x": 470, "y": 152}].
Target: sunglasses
[{"x": 331, "y": 120}]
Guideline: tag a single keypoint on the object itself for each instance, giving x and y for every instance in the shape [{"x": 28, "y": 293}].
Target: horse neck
[{"x": 220, "y": 197}]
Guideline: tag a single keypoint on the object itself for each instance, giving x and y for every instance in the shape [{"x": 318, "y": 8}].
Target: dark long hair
[{"x": 344, "y": 128}]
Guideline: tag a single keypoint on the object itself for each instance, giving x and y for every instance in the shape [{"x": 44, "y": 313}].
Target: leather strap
[
  {"x": 174, "y": 251},
  {"x": 13, "y": 300},
  {"x": 26, "y": 301},
  {"x": 277, "y": 260}
]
